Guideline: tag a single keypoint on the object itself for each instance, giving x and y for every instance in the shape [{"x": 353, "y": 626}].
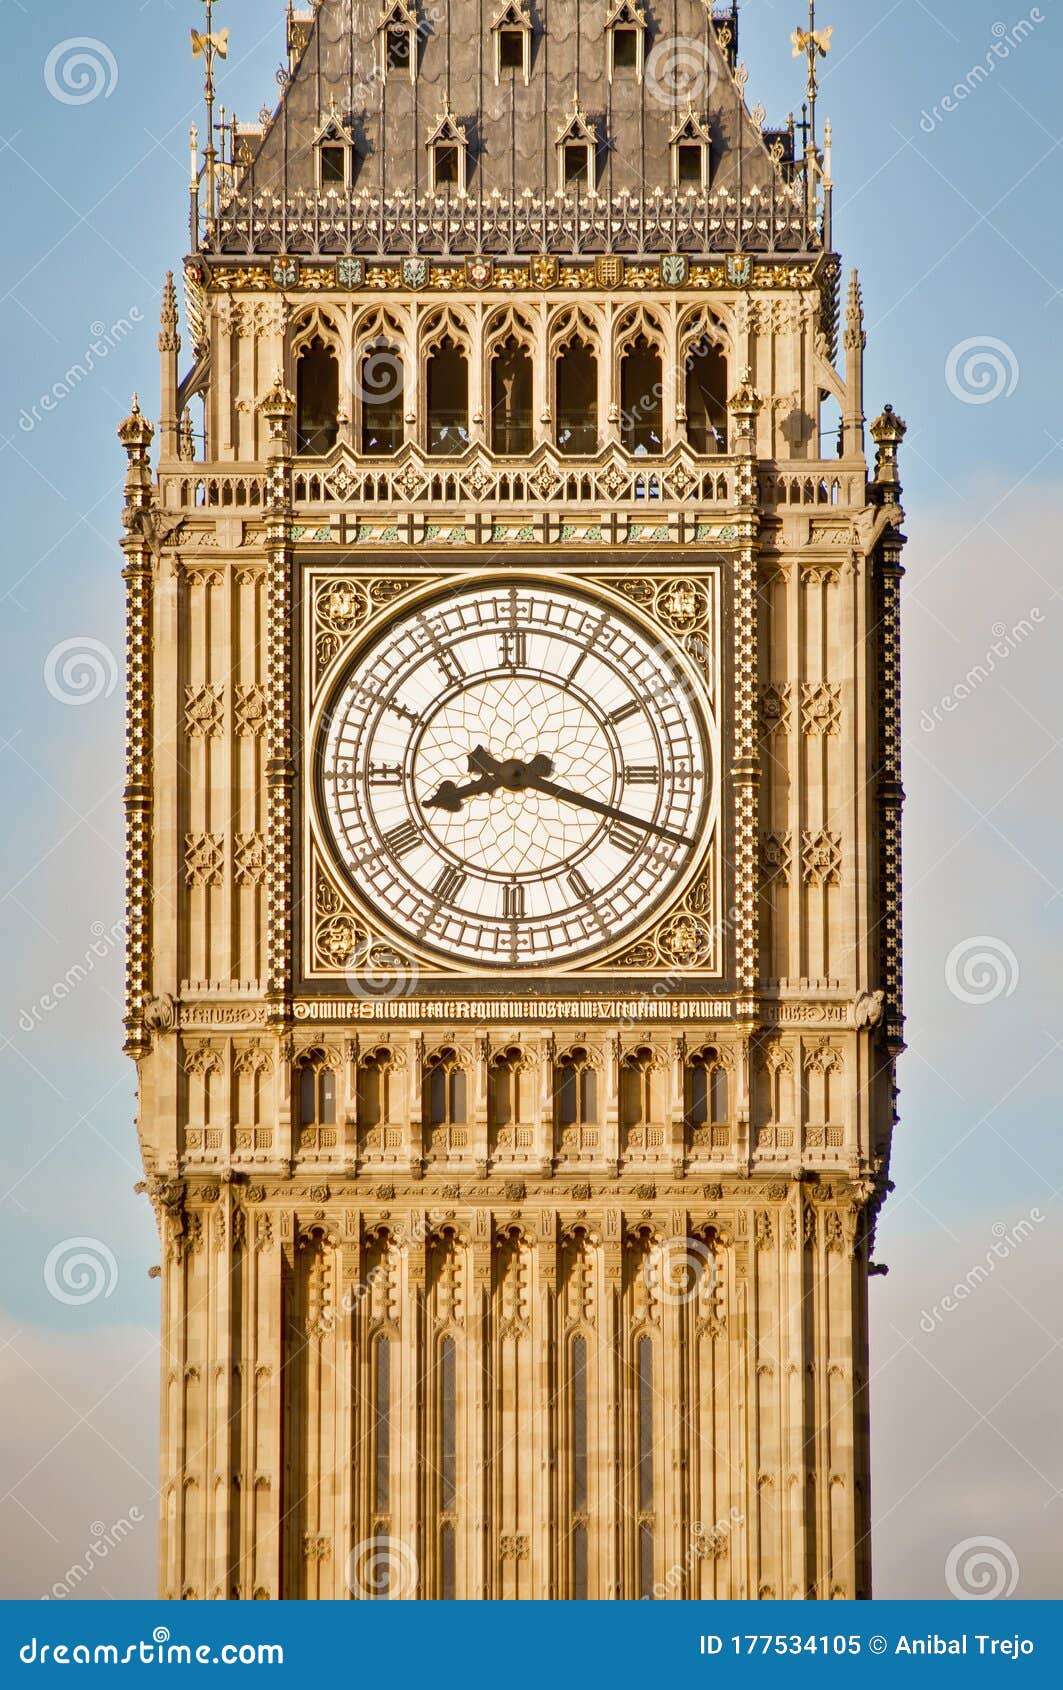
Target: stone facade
[{"x": 540, "y": 1281}]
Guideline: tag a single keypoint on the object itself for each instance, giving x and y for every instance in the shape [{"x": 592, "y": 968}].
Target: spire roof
[{"x": 512, "y": 128}]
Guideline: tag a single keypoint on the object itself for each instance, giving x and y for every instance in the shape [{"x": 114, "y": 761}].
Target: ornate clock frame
[{"x": 341, "y": 606}]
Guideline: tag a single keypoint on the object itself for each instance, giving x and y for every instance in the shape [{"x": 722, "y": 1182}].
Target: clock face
[{"x": 516, "y": 775}]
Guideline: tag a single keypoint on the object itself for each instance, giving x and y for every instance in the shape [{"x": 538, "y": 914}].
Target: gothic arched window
[
  {"x": 397, "y": 34},
  {"x": 576, "y": 1083},
  {"x": 706, "y": 397},
  {"x": 504, "y": 1087},
  {"x": 382, "y": 1425},
  {"x": 644, "y": 1462},
  {"x": 317, "y": 389},
  {"x": 316, "y": 1097},
  {"x": 512, "y": 30},
  {"x": 626, "y": 27},
  {"x": 636, "y": 1088},
  {"x": 511, "y": 399},
  {"x": 446, "y": 1089},
  {"x": 708, "y": 1090},
  {"x": 577, "y": 147},
  {"x": 691, "y": 146},
  {"x": 382, "y": 392},
  {"x": 448, "y": 153},
  {"x": 641, "y": 398},
  {"x": 580, "y": 1464},
  {"x": 576, "y": 409},
  {"x": 374, "y": 1076},
  {"x": 448, "y": 400},
  {"x": 448, "y": 1465}
]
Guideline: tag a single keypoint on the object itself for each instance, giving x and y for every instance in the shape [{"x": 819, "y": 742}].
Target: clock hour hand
[
  {"x": 451, "y": 797},
  {"x": 513, "y": 775},
  {"x": 492, "y": 775}
]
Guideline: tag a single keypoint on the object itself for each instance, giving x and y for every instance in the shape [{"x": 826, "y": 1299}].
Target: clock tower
[{"x": 514, "y": 970}]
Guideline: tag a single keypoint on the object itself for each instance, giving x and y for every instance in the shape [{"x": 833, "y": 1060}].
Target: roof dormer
[
  {"x": 512, "y": 32},
  {"x": 577, "y": 155},
  {"x": 691, "y": 148},
  {"x": 398, "y": 33},
  {"x": 334, "y": 146},
  {"x": 626, "y": 29},
  {"x": 448, "y": 153}
]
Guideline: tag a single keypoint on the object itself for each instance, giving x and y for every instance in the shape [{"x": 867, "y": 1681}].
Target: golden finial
[
  {"x": 209, "y": 46},
  {"x": 812, "y": 44}
]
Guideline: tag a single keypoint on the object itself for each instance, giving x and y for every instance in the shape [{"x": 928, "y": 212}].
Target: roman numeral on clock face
[
  {"x": 632, "y": 708},
  {"x": 642, "y": 774},
  {"x": 402, "y": 839},
  {"x": 514, "y": 648},
  {"x": 628, "y": 839},
  {"x": 385, "y": 774},
  {"x": 449, "y": 666},
  {"x": 579, "y": 885},
  {"x": 513, "y": 903},
  {"x": 449, "y": 884}
]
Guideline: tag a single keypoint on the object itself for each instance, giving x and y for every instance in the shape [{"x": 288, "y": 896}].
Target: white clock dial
[{"x": 516, "y": 776}]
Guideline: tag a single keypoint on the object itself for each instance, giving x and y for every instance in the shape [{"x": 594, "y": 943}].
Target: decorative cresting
[{"x": 513, "y": 803}]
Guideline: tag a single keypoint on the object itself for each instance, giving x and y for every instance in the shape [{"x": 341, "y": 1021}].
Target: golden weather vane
[
  {"x": 209, "y": 46},
  {"x": 812, "y": 44}
]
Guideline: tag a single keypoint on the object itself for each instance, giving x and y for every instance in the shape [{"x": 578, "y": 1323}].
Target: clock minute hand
[{"x": 550, "y": 789}]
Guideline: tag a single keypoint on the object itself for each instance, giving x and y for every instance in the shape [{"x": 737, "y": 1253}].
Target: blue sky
[{"x": 952, "y": 218}]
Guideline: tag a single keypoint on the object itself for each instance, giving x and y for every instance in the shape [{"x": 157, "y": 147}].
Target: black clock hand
[
  {"x": 493, "y": 774},
  {"x": 550, "y": 789},
  {"x": 514, "y": 776},
  {"x": 531, "y": 777},
  {"x": 451, "y": 797}
]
